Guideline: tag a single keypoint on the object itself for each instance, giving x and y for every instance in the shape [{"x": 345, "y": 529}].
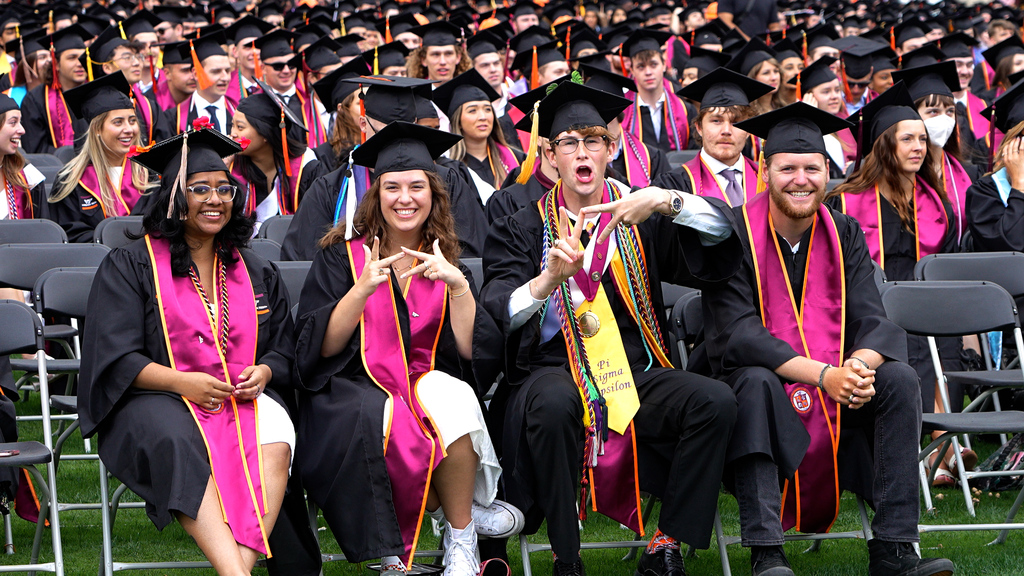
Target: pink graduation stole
[
  {"x": 978, "y": 123},
  {"x": 126, "y": 195},
  {"x": 929, "y": 219},
  {"x": 231, "y": 433},
  {"x": 707, "y": 184},
  {"x": 287, "y": 199},
  {"x": 58, "y": 118},
  {"x": 810, "y": 501},
  {"x": 638, "y": 160},
  {"x": 675, "y": 119},
  {"x": 412, "y": 445},
  {"x": 143, "y": 105},
  {"x": 956, "y": 182},
  {"x": 162, "y": 93},
  {"x": 316, "y": 134},
  {"x": 18, "y": 199}
]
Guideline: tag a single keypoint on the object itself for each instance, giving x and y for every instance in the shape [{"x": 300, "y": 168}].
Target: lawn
[{"x": 135, "y": 538}]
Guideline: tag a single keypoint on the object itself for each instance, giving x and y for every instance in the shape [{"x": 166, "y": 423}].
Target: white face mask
[{"x": 940, "y": 128}]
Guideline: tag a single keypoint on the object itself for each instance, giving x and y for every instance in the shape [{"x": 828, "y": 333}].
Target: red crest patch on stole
[{"x": 801, "y": 400}]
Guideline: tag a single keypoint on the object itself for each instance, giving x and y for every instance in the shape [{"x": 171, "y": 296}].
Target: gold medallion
[{"x": 589, "y": 324}]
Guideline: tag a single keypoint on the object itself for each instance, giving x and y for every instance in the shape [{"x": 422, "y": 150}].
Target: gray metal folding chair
[
  {"x": 950, "y": 308},
  {"x": 34, "y": 231},
  {"x": 267, "y": 248},
  {"x": 275, "y": 228},
  {"x": 23, "y": 332},
  {"x": 114, "y": 232}
]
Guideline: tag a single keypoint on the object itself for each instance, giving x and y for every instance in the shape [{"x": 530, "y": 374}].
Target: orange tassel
[
  {"x": 846, "y": 84},
  {"x": 534, "y": 74},
  {"x": 257, "y": 64},
  {"x": 284, "y": 147},
  {"x": 201, "y": 77},
  {"x": 387, "y": 32}
]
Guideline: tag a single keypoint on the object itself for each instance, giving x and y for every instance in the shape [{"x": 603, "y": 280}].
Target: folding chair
[
  {"x": 951, "y": 308},
  {"x": 275, "y": 228},
  {"x": 293, "y": 274},
  {"x": 686, "y": 322},
  {"x": 113, "y": 232},
  {"x": 23, "y": 332},
  {"x": 34, "y": 231},
  {"x": 267, "y": 248}
]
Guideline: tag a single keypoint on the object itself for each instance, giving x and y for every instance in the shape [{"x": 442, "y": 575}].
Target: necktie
[
  {"x": 733, "y": 191},
  {"x": 213, "y": 117}
]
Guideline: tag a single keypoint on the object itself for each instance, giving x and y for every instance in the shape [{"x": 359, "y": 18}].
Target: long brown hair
[
  {"x": 369, "y": 220},
  {"x": 881, "y": 167},
  {"x": 415, "y": 69}
]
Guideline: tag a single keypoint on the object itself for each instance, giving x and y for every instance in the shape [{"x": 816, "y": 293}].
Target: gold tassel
[{"x": 526, "y": 169}]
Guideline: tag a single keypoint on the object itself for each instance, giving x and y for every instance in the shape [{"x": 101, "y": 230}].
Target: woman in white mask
[{"x": 932, "y": 88}]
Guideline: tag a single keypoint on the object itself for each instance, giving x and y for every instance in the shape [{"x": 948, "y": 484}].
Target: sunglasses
[{"x": 293, "y": 64}]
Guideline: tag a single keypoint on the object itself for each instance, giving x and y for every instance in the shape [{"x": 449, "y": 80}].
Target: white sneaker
[
  {"x": 499, "y": 520},
  {"x": 461, "y": 557},
  {"x": 392, "y": 566}
]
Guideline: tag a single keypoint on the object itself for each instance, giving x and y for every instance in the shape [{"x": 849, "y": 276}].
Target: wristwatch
[{"x": 676, "y": 204}]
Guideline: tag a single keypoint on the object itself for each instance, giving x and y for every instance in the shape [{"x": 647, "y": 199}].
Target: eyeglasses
[
  {"x": 204, "y": 194},
  {"x": 280, "y": 66},
  {"x": 569, "y": 145}
]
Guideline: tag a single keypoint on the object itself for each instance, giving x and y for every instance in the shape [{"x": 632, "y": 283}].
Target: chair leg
[
  {"x": 524, "y": 552},
  {"x": 723, "y": 554},
  {"x": 1009, "y": 517}
]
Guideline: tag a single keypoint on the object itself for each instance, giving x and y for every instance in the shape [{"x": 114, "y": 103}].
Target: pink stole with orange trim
[
  {"x": 957, "y": 182},
  {"x": 412, "y": 448},
  {"x": 675, "y": 119},
  {"x": 231, "y": 433},
  {"x": 707, "y": 185},
  {"x": 811, "y": 500},
  {"x": 638, "y": 161},
  {"x": 126, "y": 195},
  {"x": 929, "y": 217},
  {"x": 58, "y": 118}
]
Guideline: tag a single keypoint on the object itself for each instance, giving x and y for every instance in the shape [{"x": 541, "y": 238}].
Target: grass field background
[{"x": 135, "y": 538}]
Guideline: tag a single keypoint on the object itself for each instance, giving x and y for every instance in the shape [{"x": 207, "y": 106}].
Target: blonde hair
[
  {"x": 94, "y": 154},
  {"x": 458, "y": 152}
]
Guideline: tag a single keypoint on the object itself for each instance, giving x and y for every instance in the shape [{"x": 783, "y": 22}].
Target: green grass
[{"x": 135, "y": 538}]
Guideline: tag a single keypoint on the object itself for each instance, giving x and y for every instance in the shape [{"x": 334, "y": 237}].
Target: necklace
[{"x": 225, "y": 319}]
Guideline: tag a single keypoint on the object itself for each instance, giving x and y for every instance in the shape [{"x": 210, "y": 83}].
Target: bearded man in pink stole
[{"x": 826, "y": 399}]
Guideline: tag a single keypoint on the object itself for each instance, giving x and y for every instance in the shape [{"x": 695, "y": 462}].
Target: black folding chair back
[
  {"x": 32, "y": 231},
  {"x": 22, "y": 264},
  {"x": 476, "y": 268},
  {"x": 266, "y": 248},
  {"x": 275, "y": 228},
  {"x": 1003, "y": 268},
  {"x": 113, "y": 232},
  {"x": 293, "y": 274}
]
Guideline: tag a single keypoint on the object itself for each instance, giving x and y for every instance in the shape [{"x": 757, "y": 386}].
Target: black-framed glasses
[
  {"x": 569, "y": 145},
  {"x": 204, "y": 193},
  {"x": 293, "y": 64}
]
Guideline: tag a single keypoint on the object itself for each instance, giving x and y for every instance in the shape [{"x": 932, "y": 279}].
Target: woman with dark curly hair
[
  {"x": 195, "y": 328},
  {"x": 389, "y": 334}
]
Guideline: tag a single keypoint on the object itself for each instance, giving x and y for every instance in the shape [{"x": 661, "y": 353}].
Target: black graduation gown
[
  {"x": 347, "y": 476},
  {"x": 736, "y": 338},
  {"x": 659, "y": 165},
  {"x": 36, "y": 139},
  {"x": 79, "y": 213},
  {"x": 315, "y": 215},
  {"x": 995, "y": 227},
  {"x": 512, "y": 257}
]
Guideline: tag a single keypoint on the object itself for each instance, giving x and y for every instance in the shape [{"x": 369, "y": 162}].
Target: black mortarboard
[
  {"x": 398, "y": 24},
  {"x": 816, "y": 74},
  {"x": 606, "y": 80},
  {"x": 706, "y": 60},
  {"x": 71, "y": 38},
  {"x": 940, "y": 78},
  {"x": 484, "y": 42},
  {"x": 796, "y": 129},
  {"x": 546, "y": 54},
  {"x": 753, "y": 53},
  {"x": 440, "y": 33},
  {"x": 247, "y": 28},
  {"x": 469, "y": 86},
  {"x": 277, "y": 43},
  {"x": 923, "y": 56},
  {"x": 206, "y": 148},
  {"x": 111, "y": 92},
  {"x": 644, "y": 39},
  {"x": 723, "y": 87},
  {"x": 402, "y": 146},
  {"x": 886, "y": 110},
  {"x": 333, "y": 92},
  {"x": 390, "y": 98},
  {"x": 1007, "y": 111},
  {"x": 139, "y": 22},
  {"x": 1009, "y": 47},
  {"x": 572, "y": 106},
  {"x": 388, "y": 55},
  {"x": 321, "y": 53},
  {"x": 958, "y": 45},
  {"x": 908, "y": 30}
]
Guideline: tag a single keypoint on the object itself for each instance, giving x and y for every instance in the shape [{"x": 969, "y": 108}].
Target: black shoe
[
  {"x": 769, "y": 561},
  {"x": 569, "y": 568},
  {"x": 664, "y": 562},
  {"x": 900, "y": 559}
]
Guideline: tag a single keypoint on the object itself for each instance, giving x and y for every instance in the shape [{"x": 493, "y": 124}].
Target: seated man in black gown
[
  {"x": 590, "y": 391},
  {"x": 825, "y": 394}
]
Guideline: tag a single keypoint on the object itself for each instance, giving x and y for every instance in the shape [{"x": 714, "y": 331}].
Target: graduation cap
[
  {"x": 796, "y": 129},
  {"x": 320, "y": 53},
  {"x": 644, "y": 39},
  {"x": 706, "y": 60},
  {"x": 390, "y": 98},
  {"x": 71, "y": 38},
  {"x": 1007, "y": 111},
  {"x": 818, "y": 73},
  {"x": 1005, "y": 49},
  {"x": 383, "y": 57},
  {"x": 724, "y": 87},
  {"x": 753, "y": 53},
  {"x": 140, "y": 22},
  {"x": 940, "y": 78},
  {"x": 247, "y": 28},
  {"x": 332, "y": 91},
  {"x": 111, "y": 92},
  {"x": 606, "y": 80},
  {"x": 484, "y": 42},
  {"x": 923, "y": 56},
  {"x": 888, "y": 109},
  {"x": 440, "y": 33},
  {"x": 277, "y": 43},
  {"x": 190, "y": 152},
  {"x": 469, "y": 86},
  {"x": 958, "y": 45},
  {"x": 402, "y": 146}
]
